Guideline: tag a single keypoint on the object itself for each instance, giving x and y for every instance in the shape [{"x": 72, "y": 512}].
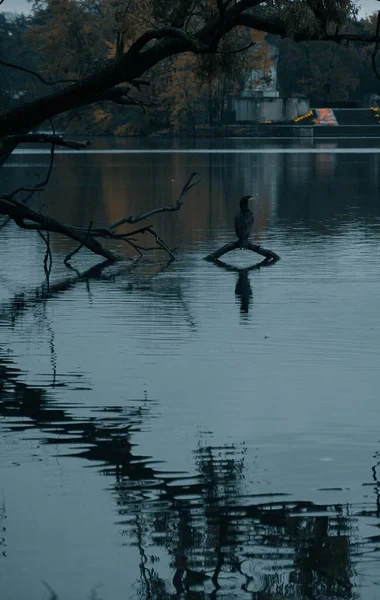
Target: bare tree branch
[
  {"x": 35, "y": 74},
  {"x": 28, "y": 218},
  {"x": 43, "y": 138},
  {"x": 48, "y": 259},
  {"x": 69, "y": 256},
  {"x": 40, "y": 187},
  {"x": 376, "y": 49},
  {"x": 120, "y": 95},
  {"x": 192, "y": 43},
  {"x": 187, "y": 187},
  {"x": 235, "y": 51}
]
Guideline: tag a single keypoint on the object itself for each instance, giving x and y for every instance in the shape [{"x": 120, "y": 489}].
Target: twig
[
  {"x": 44, "y": 138},
  {"x": 38, "y": 188},
  {"x": 121, "y": 95},
  {"x": 48, "y": 256},
  {"x": 35, "y": 74},
  {"x": 53, "y": 594},
  {"x": 187, "y": 187},
  {"x": 28, "y": 218},
  {"x": 162, "y": 244},
  {"x": 32, "y": 191},
  {"x": 237, "y": 49},
  {"x": 71, "y": 254}
]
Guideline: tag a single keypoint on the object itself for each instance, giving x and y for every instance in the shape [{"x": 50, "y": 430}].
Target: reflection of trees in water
[
  {"x": 221, "y": 544},
  {"x": 221, "y": 541},
  {"x": 324, "y": 207},
  {"x": 2, "y": 528}
]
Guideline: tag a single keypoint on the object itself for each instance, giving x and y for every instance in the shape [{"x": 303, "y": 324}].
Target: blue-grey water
[{"x": 192, "y": 430}]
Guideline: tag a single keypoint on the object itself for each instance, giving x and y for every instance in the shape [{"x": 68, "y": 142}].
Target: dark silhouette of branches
[
  {"x": 33, "y": 220},
  {"x": 268, "y": 254},
  {"x": 35, "y": 74}
]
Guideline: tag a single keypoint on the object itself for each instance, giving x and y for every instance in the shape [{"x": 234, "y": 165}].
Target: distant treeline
[{"x": 65, "y": 39}]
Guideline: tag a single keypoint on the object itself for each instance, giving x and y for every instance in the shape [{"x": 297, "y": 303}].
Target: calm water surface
[{"x": 190, "y": 430}]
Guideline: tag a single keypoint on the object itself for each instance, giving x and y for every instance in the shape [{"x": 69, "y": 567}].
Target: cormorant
[{"x": 244, "y": 222}]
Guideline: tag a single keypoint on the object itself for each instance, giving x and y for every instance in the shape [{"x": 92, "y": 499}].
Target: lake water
[{"x": 186, "y": 430}]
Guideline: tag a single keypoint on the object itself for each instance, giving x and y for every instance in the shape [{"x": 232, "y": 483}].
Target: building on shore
[{"x": 260, "y": 101}]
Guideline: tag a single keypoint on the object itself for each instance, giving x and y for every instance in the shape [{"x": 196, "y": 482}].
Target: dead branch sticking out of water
[
  {"x": 28, "y": 218},
  {"x": 268, "y": 254}
]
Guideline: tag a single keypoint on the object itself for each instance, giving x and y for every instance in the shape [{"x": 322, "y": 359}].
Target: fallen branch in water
[
  {"x": 268, "y": 254},
  {"x": 28, "y": 218}
]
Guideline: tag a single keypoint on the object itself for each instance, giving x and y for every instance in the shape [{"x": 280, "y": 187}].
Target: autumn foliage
[{"x": 68, "y": 40}]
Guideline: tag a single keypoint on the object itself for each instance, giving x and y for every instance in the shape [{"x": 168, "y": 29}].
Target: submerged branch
[
  {"x": 268, "y": 254},
  {"x": 28, "y": 218}
]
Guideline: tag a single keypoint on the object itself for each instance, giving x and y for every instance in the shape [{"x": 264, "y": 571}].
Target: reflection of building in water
[
  {"x": 260, "y": 175},
  {"x": 298, "y": 166},
  {"x": 326, "y": 161}
]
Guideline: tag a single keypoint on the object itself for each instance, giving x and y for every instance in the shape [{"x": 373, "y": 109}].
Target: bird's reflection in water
[{"x": 243, "y": 290}]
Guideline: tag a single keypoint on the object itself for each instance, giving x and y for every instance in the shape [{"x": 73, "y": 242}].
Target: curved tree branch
[
  {"x": 28, "y": 218},
  {"x": 44, "y": 138},
  {"x": 35, "y": 74},
  {"x": 268, "y": 254},
  {"x": 235, "y": 51},
  {"x": 120, "y": 95},
  {"x": 186, "y": 188},
  {"x": 192, "y": 43}
]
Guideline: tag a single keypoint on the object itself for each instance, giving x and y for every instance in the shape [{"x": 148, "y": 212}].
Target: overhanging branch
[
  {"x": 120, "y": 95},
  {"x": 191, "y": 42},
  {"x": 3, "y": 63},
  {"x": 44, "y": 138}
]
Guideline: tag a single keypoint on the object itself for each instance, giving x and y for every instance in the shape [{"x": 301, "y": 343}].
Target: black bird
[{"x": 244, "y": 222}]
